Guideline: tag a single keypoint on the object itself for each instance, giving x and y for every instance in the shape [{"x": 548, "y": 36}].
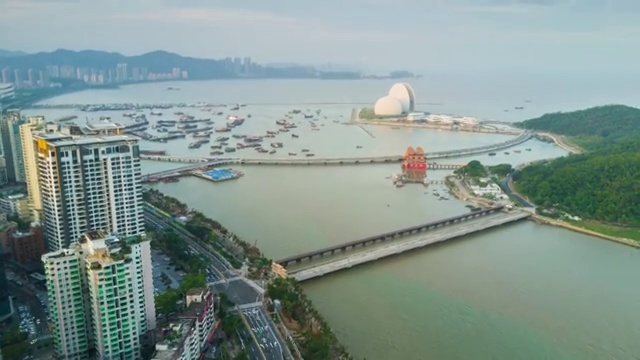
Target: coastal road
[
  {"x": 238, "y": 291},
  {"x": 264, "y": 332},
  {"x": 237, "y": 288},
  {"x": 219, "y": 266},
  {"x": 507, "y": 185}
]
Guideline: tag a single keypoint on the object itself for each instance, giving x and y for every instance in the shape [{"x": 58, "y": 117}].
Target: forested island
[{"x": 600, "y": 186}]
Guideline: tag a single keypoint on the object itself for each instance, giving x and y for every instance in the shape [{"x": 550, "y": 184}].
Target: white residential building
[
  {"x": 89, "y": 183},
  {"x": 64, "y": 272},
  {"x": 101, "y": 297},
  {"x": 489, "y": 189},
  {"x": 186, "y": 339}
]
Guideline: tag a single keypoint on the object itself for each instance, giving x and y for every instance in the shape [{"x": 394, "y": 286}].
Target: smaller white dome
[{"x": 388, "y": 106}]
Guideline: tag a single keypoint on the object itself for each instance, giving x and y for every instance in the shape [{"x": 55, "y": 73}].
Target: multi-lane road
[
  {"x": 264, "y": 332},
  {"x": 239, "y": 290},
  {"x": 224, "y": 279}
]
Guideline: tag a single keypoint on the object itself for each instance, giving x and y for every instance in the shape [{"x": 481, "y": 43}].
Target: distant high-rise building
[
  {"x": 6, "y": 75},
  {"x": 12, "y": 146},
  {"x": 144, "y": 74},
  {"x": 44, "y": 79},
  {"x": 237, "y": 65},
  {"x": 31, "y": 77},
  {"x": 68, "y": 72},
  {"x": 246, "y": 65},
  {"x": 122, "y": 72},
  {"x": 101, "y": 297},
  {"x": 17, "y": 78},
  {"x": 53, "y": 71},
  {"x": 29, "y": 156},
  {"x": 89, "y": 183},
  {"x": 228, "y": 64}
]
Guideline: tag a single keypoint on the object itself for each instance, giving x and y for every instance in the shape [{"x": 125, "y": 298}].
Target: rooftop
[
  {"x": 104, "y": 126},
  {"x": 171, "y": 337},
  {"x": 16, "y": 197},
  {"x": 195, "y": 307},
  {"x": 196, "y": 291},
  {"x": 89, "y": 140},
  {"x": 103, "y": 248},
  {"x": 52, "y": 136},
  {"x": 59, "y": 254}
]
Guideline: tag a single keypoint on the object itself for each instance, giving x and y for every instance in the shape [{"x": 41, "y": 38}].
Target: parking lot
[
  {"x": 165, "y": 275},
  {"x": 262, "y": 330}
]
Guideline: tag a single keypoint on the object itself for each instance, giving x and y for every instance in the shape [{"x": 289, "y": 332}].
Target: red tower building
[{"x": 414, "y": 165}]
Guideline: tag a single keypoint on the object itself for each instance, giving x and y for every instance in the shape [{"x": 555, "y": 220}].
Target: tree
[
  {"x": 191, "y": 281},
  {"x": 13, "y": 343},
  {"x": 242, "y": 356},
  {"x": 473, "y": 169},
  {"x": 231, "y": 323},
  {"x": 167, "y": 302}
]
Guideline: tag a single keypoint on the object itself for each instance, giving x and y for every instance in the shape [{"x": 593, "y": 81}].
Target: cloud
[
  {"x": 209, "y": 17},
  {"x": 257, "y": 23}
]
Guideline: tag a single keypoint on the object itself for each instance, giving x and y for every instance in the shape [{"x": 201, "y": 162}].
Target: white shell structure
[
  {"x": 388, "y": 106},
  {"x": 405, "y": 94}
]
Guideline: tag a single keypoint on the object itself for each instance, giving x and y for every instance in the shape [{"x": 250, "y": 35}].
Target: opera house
[{"x": 401, "y": 99}]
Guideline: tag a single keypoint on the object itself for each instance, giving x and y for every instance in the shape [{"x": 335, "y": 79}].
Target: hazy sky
[{"x": 420, "y": 35}]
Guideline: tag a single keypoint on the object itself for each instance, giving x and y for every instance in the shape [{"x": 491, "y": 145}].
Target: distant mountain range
[
  {"x": 9, "y": 53},
  {"x": 156, "y": 61},
  {"x": 165, "y": 62}
]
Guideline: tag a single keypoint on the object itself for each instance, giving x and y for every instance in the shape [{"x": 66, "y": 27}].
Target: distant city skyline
[{"x": 577, "y": 35}]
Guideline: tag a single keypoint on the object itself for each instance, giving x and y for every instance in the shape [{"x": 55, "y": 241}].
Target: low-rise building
[
  {"x": 489, "y": 189},
  {"x": 16, "y": 205},
  {"x": 28, "y": 246},
  {"x": 417, "y": 116},
  {"x": 187, "y": 338},
  {"x": 6, "y": 229}
]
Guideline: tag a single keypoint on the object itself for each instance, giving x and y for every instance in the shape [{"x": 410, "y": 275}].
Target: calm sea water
[{"x": 524, "y": 291}]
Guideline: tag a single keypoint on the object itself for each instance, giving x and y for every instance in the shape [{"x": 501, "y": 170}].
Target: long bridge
[
  {"x": 201, "y": 162},
  {"x": 391, "y": 243},
  {"x": 132, "y": 106},
  {"x": 186, "y": 170}
]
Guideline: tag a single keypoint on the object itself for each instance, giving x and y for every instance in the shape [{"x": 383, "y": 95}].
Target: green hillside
[
  {"x": 602, "y": 184},
  {"x": 591, "y": 128}
]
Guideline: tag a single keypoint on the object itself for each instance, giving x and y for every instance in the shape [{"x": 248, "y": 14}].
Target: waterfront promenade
[{"x": 438, "y": 235}]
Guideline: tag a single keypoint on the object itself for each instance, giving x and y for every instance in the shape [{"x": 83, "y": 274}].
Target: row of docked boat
[{"x": 197, "y": 144}]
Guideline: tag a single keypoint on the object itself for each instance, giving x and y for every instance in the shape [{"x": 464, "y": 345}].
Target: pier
[
  {"x": 347, "y": 160},
  {"x": 152, "y": 106},
  {"x": 342, "y": 161},
  {"x": 200, "y": 164},
  {"x": 391, "y": 243}
]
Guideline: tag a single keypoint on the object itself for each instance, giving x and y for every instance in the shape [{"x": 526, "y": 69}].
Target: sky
[{"x": 376, "y": 35}]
